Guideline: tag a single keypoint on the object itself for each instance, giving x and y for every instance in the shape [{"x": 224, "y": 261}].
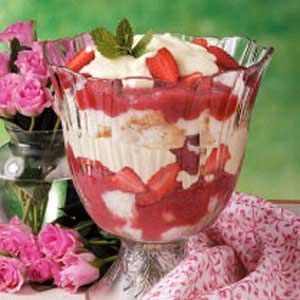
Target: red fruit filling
[
  {"x": 173, "y": 102},
  {"x": 161, "y": 203}
]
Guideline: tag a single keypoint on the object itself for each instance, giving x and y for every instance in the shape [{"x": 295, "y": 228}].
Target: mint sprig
[
  {"x": 106, "y": 43},
  {"x": 113, "y": 46}
]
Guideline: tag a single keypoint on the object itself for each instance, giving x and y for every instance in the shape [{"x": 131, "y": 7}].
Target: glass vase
[
  {"x": 154, "y": 162},
  {"x": 33, "y": 176}
]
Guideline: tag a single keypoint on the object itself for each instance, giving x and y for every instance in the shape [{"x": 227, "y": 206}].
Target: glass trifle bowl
[{"x": 154, "y": 161}]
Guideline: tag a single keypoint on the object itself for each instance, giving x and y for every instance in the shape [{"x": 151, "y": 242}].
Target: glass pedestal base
[{"x": 139, "y": 267}]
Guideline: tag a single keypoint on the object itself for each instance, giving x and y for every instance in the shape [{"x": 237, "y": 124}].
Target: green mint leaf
[
  {"x": 140, "y": 47},
  {"x": 124, "y": 34},
  {"x": 106, "y": 43}
]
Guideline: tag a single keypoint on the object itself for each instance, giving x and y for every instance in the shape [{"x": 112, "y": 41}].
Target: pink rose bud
[
  {"x": 15, "y": 221},
  {"x": 31, "y": 62},
  {"x": 13, "y": 237},
  {"x": 4, "y": 60},
  {"x": 8, "y": 83},
  {"x": 56, "y": 242},
  {"x": 31, "y": 98},
  {"x": 78, "y": 271},
  {"x": 30, "y": 251},
  {"x": 44, "y": 269},
  {"x": 23, "y": 31},
  {"x": 11, "y": 274}
]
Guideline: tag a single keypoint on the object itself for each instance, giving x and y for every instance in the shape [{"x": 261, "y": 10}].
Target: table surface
[{"x": 58, "y": 294}]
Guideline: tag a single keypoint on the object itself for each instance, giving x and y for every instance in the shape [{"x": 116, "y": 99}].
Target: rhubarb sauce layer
[
  {"x": 173, "y": 101},
  {"x": 175, "y": 215}
]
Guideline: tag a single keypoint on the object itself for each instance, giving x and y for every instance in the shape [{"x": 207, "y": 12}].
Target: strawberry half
[
  {"x": 224, "y": 60},
  {"x": 147, "y": 198},
  {"x": 217, "y": 159},
  {"x": 191, "y": 79},
  {"x": 223, "y": 102},
  {"x": 127, "y": 180},
  {"x": 201, "y": 42},
  {"x": 81, "y": 59},
  {"x": 163, "y": 181},
  {"x": 163, "y": 66}
]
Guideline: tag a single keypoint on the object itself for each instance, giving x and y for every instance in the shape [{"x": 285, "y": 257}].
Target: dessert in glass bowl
[{"x": 155, "y": 129}]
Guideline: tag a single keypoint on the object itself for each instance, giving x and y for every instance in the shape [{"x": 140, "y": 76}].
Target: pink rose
[
  {"x": 77, "y": 271},
  {"x": 4, "y": 60},
  {"x": 11, "y": 275},
  {"x": 30, "y": 251},
  {"x": 13, "y": 236},
  {"x": 44, "y": 269},
  {"x": 56, "y": 242},
  {"x": 31, "y": 62},
  {"x": 23, "y": 31},
  {"x": 8, "y": 83},
  {"x": 31, "y": 98}
]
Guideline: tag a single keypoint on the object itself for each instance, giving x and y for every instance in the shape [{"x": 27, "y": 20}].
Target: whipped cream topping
[{"x": 190, "y": 58}]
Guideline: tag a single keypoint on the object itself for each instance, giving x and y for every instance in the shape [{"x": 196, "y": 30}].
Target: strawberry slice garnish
[
  {"x": 201, "y": 42},
  {"x": 217, "y": 159},
  {"x": 224, "y": 60},
  {"x": 128, "y": 181},
  {"x": 191, "y": 79},
  {"x": 81, "y": 59},
  {"x": 163, "y": 66}
]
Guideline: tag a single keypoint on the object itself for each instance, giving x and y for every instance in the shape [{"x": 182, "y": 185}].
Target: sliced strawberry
[
  {"x": 191, "y": 79},
  {"x": 163, "y": 181},
  {"x": 86, "y": 75},
  {"x": 217, "y": 159},
  {"x": 163, "y": 66},
  {"x": 223, "y": 102},
  {"x": 147, "y": 198},
  {"x": 81, "y": 59},
  {"x": 224, "y": 60},
  {"x": 201, "y": 42},
  {"x": 128, "y": 181}
]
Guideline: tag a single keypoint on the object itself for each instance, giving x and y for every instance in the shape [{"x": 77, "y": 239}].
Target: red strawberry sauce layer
[
  {"x": 175, "y": 207},
  {"x": 174, "y": 101}
]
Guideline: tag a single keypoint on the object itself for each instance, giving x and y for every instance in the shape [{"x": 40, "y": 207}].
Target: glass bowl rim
[{"x": 267, "y": 56}]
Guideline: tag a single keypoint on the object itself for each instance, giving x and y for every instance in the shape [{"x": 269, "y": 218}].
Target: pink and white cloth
[{"x": 251, "y": 252}]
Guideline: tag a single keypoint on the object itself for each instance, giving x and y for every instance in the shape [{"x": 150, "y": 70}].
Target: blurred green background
[{"x": 272, "y": 162}]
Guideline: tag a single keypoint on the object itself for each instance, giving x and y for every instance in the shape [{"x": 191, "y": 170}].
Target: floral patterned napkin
[{"x": 251, "y": 252}]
